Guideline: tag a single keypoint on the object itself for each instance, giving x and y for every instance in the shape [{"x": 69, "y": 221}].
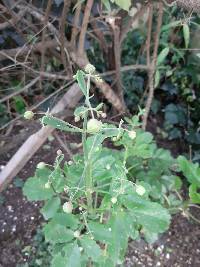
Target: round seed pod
[
  {"x": 140, "y": 190},
  {"x": 41, "y": 165},
  {"x": 28, "y": 115},
  {"x": 47, "y": 185},
  {"x": 114, "y": 200},
  {"x": 132, "y": 134},
  {"x": 77, "y": 234},
  {"x": 94, "y": 126},
  {"x": 67, "y": 207}
]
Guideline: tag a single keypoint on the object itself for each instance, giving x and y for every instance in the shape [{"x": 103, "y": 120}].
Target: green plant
[{"x": 104, "y": 196}]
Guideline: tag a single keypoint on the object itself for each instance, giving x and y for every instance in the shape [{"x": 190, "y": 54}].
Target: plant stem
[
  {"x": 87, "y": 173},
  {"x": 87, "y": 100}
]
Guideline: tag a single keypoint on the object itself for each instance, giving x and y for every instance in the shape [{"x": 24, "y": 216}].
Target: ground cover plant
[{"x": 100, "y": 199}]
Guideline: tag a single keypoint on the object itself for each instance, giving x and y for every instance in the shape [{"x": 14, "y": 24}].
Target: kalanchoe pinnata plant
[{"x": 101, "y": 198}]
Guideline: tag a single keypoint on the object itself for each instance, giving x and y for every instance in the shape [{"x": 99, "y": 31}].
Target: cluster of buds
[{"x": 90, "y": 69}]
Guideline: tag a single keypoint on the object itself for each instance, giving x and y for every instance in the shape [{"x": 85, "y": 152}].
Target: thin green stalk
[
  {"x": 87, "y": 173},
  {"x": 87, "y": 100}
]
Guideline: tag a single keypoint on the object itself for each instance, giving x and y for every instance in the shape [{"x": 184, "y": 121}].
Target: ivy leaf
[
  {"x": 121, "y": 226},
  {"x": 56, "y": 233},
  {"x": 194, "y": 195},
  {"x": 71, "y": 259},
  {"x": 152, "y": 216},
  {"x": 68, "y": 220},
  {"x": 34, "y": 189},
  {"x": 100, "y": 232},
  {"x": 74, "y": 257},
  {"x": 190, "y": 170},
  {"x": 50, "y": 208},
  {"x": 91, "y": 248},
  {"x": 124, "y": 4}
]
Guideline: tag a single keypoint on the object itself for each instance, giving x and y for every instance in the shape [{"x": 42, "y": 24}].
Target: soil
[{"x": 20, "y": 219}]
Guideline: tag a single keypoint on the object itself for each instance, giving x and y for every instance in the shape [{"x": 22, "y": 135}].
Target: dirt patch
[{"x": 179, "y": 247}]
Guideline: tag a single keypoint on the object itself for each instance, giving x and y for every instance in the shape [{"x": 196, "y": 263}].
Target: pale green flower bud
[
  {"x": 77, "y": 118},
  {"x": 47, "y": 185},
  {"x": 67, "y": 207},
  {"x": 90, "y": 69},
  {"x": 114, "y": 200},
  {"x": 140, "y": 190},
  {"x": 28, "y": 115},
  {"x": 76, "y": 234},
  {"x": 132, "y": 134},
  {"x": 41, "y": 165}
]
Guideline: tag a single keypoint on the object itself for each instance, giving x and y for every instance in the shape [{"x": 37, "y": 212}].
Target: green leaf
[
  {"x": 59, "y": 124},
  {"x": 162, "y": 56},
  {"x": 56, "y": 233},
  {"x": 152, "y": 216},
  {"x": 190, "y": 170},
  {"x": 34, "y": 189},
  {"x": 100, "y": 232},
  {"x": 186, "y": 34},
  {"x": 107, "y": 4},
  {"x": 194, "y": 195},
  {"x": 124, "y": 4},
  {"x": 50, "y": 208},
  {"x": 68, "y": 220},
  {"x": 59, "y": 260},
  {"x": 150, "y": 237},
  {"x": 171, "y": 25},
  {"x": 157, "y": 79},
  {"x": 91, "y": 248},
  {"x": 144, "y": 138},
  {"x": 81, "y": 81},
  {"x": 121, "y": 225},
  {"x": 72, "y": 258},
  {"x": 79, "y": 111}
]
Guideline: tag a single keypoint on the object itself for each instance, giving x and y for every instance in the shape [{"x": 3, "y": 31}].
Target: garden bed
[{"x": 20, "y": 221}]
